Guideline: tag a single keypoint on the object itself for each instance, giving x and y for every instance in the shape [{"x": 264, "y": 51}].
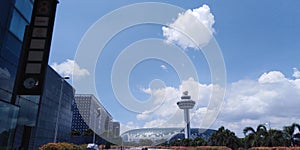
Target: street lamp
[
  {"x": 62, "y": 79},
  {"x": 98, "y": 115}
]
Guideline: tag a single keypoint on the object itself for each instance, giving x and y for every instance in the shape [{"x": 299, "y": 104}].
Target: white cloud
[
  {"x": 191, "y": 29},
  {"x": 128, "y": 126},
  {"x": 4, "y": 73},
  {"x": 271, "y": 98},
  {"x": 296, "y": 73},
  {"x": 163, "y": 67},
  {"x": 272, "y": 77},
  {"x": 142, "y": 116},
  {"x": 168, "y": 114},
  {"x": 70, "y": 68}
]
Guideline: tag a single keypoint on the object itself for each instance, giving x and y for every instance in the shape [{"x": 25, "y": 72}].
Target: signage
[{"x": 34, "y": 57}]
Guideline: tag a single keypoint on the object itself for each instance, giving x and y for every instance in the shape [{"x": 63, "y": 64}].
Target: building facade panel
[{"x": 44, "y": 132}]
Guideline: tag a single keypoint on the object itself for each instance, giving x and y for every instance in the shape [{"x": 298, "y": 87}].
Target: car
[{"x": 92, "y": 146}]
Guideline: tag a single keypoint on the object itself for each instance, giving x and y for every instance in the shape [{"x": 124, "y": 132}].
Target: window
[
  {"x": 25, "y": 7},
  {"x": 8, "y": 119},
  {"x": 6, "y": 79},
  {"x": 17, "y": 25}
]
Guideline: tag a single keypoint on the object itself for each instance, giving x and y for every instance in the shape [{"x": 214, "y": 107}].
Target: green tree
[
  {"x": 224, "y": 137},
  {"x": 199, "y": 141},
  {"x": 186, "y": 142},
  {"x": 177, "y": 142},
  {"x": 88, "y": 131},
  {"x": 255, "y": 138},
  {"x": 290, "y": 133},
  {"x": 75, "y": 132},
  {"x": 275, "y": 138}
]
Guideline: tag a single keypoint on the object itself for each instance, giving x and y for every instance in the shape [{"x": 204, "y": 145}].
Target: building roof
[
  {"x": 163, "y": 133},
  {"x": 97, "y": 101}
]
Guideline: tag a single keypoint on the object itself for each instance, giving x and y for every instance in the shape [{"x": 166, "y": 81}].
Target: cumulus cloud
[
  {"x": 271, "y": 98},
  {"x": 4, "y": 73},
  {"x": 70, "y": 68},
  {"x": 128, "y": 126},
  {"x": 272, "y": 77},
  {"x": 191, "y": 29},
  {"x": 296, "y": 73},
  {"x": 168, "y": 114}
]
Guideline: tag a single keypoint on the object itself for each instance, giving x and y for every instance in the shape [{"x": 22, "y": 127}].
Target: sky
[{"x": 239, "y": 60}]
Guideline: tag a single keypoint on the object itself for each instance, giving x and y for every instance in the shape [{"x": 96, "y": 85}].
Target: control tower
[{"x": 186, "y": 103}]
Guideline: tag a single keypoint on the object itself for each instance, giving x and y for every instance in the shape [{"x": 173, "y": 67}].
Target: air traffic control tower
[{"x": 186, "y": 103}]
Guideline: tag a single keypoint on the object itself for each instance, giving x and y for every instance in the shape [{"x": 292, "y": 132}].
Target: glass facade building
[
  {"x": 163, "y": 134},
  {"x": 56, "y": 91},
  {"x": 14, "y": 15},
  {"x": 28, "y": 121}
]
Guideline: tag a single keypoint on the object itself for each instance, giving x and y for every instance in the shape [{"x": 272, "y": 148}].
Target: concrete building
[
  {"x": 90, "y": 113},
  {"x": 116, "y": 129}
]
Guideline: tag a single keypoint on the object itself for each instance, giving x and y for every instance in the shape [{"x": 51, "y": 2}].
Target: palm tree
[
  {"x": 289, "y": 132},
  {"x": 224, "y": 137},
  {"x": 275, "y": 138},
  {"x": 255, "y": 138}
]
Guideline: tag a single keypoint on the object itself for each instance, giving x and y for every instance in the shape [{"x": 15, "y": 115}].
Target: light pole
[
  {"x": 62, "y": 79},
  {"x": 94, "y": 136}
]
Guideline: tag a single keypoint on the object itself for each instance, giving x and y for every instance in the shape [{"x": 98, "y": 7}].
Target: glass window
[
  {"x": 4, "y": 11},
  {"x": 28, "y": 112},
  {"x": 8, "y": 119},
  {"x": 14, "y": 46},
  {"x": 25, "y": 7},
  {"x": 17, "y": 25},
  {"x": 7, "y": 77},
  {"x": 1, "y": 36}
]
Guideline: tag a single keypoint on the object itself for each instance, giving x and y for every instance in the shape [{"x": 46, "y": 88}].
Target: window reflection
[
  {"x": 17, "y": 25},
  {"x": 25, "y": 7},
  {"x": 8, "y": 119}
]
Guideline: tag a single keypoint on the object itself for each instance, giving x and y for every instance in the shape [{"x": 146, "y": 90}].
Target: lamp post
[
  {"x": 62, "y": 79},
  {"x": 98, "y": 115}
]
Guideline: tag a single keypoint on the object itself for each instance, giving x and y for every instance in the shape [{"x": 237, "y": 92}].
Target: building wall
[
  {"x": 90, "y": 113},
  {"x": 116, "y": 129},
  {"x": 44, "y": 131},
  {"x": 14, "y": 16}
]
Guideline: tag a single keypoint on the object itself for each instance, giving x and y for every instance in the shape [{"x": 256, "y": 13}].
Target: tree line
[{"x": 261, "y": 136}]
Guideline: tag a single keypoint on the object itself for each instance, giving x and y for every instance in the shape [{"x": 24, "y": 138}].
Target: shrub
[{"x": 60, "y": 146}]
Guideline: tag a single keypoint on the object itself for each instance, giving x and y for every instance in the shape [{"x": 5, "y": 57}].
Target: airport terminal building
[{"x": 163, "y": 134}]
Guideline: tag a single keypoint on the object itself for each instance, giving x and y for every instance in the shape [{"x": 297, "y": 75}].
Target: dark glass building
[
  {"x": 14, "y": 15},
  {"x": 28, "y": 121},
  {"x": 56, "y": 91}
]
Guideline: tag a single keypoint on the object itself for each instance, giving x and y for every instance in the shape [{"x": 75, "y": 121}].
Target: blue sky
[{"x": 259, "y": 41}]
